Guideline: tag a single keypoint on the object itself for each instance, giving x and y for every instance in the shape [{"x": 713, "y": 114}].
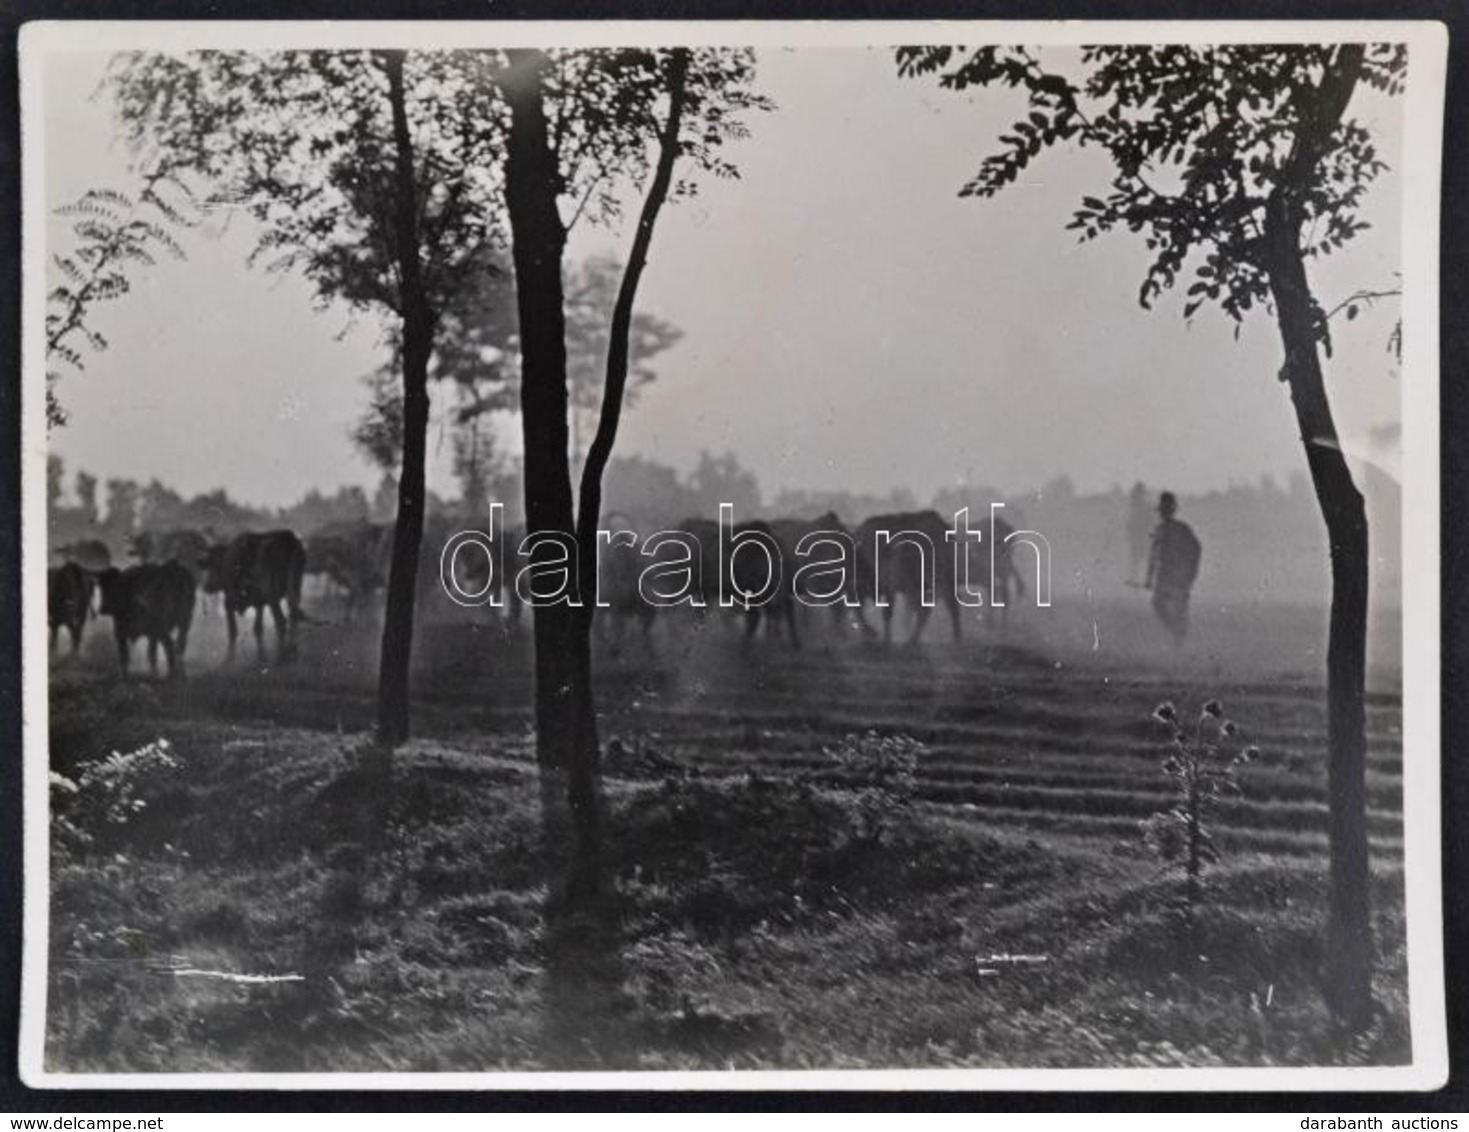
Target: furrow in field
[
  {"x": 1001, "y": 736},
  {"x": 1141, "y": 780},
  {"x": 1134, "y": 804},
  {"x": 1124, "y": 831}
]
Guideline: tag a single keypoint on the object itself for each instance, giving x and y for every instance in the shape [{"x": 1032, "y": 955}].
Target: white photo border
[{"x": 1427, "y": 43}]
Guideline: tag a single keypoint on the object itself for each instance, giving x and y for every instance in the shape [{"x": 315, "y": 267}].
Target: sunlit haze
[{"x": 849, "y": 321}]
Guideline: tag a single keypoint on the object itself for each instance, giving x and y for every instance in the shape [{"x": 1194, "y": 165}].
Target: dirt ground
[{"x": 778, "y": 906}]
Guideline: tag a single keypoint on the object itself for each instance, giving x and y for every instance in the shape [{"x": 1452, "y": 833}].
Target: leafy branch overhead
[
  {"x": 1200, "y": 138},
  {"x": 114, "y": 235},
  {"x": 605, "y": 105},
  {"x": 303, "y": 141}
]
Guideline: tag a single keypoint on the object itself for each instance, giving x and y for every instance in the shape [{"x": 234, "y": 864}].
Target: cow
[
  {"x": 355, "y": 556},
  {"x": 259, "y": 571},
  {"x": 1006, "y": 581},
  {"x": 916, "y": 561},
  {"x": 68, "y": 601},
  {"x": 149, "y": 600},
  {"x": 619, "y": 598},
  {"x": 906, "y": 555},
  {"x": 789, "y": 533},
  {"x": 185, "y": 546},
  {"x": 748, "y": 570},
  {"x": 992, "y": 568},
  {"x": 471, "y": 566}
]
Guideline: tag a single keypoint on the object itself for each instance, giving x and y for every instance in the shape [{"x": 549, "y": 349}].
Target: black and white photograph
[{"x": 659, "y": 555}]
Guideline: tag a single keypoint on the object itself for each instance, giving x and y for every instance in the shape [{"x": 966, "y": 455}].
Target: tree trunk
[
  {"x": 566, "y": 725},
  {"x": 1348, "y": 975},
  {"x": 397, "y": 640},
  {"x": 1347, "y": 983},
  {"x": 418, "y": 330}
]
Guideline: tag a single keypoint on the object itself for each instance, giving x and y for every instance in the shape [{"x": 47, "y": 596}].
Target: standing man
[{"x": 1172, "y": 567}]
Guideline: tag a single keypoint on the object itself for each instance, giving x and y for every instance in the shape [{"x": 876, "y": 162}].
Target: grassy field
[{"x": 774, "y": 907}]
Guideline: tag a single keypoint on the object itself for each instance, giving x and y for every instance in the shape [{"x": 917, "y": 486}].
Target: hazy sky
[{"x": 849, "y": 321}]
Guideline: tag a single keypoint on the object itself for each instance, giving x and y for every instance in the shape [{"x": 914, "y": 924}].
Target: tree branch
[
  {"x": 582, "y": 204},
  {"x": 1368, "y": 297}
]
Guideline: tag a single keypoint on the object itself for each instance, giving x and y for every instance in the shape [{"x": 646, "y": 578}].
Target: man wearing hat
[{"x": 1172, "y": 567}]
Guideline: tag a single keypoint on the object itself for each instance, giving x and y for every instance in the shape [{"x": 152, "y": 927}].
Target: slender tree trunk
[
  {"x": 1347, "y": 981},
  {"x": 397, "y": 639},
  {"x": 1348, "y": 974},
  {"x": 589, "y": 512},
  {"x": 1349, "y": 932},
  {"x": 418, "y": 331},
  {"x": 566, "y": 725}
]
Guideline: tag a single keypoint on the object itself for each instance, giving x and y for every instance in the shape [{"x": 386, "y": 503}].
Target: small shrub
[
  {"x": 718, "y": 857},
  {"x": 106, "y": 794},
  {"x": 1202, "y": 768}
]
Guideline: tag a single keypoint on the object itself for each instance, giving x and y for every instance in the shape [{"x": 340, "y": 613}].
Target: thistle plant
[{"x": 1203, "y": 767}]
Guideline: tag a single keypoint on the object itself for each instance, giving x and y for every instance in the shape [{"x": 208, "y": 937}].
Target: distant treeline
[
  {"x": 115, "y": 511},
  {"x": 1262, "y": 542}
]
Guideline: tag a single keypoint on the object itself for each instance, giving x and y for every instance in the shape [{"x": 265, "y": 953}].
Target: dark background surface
[{"x": 1454, "y": 424}]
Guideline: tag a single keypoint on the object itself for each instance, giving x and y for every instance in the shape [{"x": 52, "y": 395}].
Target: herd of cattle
[
  {"x": 154, "y": 598},
  {"x": 883, "y": 571}
]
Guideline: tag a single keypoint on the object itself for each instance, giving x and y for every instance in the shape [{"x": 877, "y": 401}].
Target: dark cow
[
  {"x": 789, "y": 533},
  {"x": 1006, "y": 584},
  {"x": 259, "y": 571},
  {"x": 992, "y": 568},
  {"x": 187, "y": 547},
  {"x": 183, "y": 545},
  {"x": 355, "y": 557},
  {"x": 912, "y": 561},
  {"x": 916, "y": 562},
  {"x": 68, "y": 601},
  {"x": 151, "y": 600},
  {"x": 619, "y": 599},
  {"x": 748, "y": 572},
  {"x": 464, "y": 565},
  {"x": 440, "y": 530}
]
